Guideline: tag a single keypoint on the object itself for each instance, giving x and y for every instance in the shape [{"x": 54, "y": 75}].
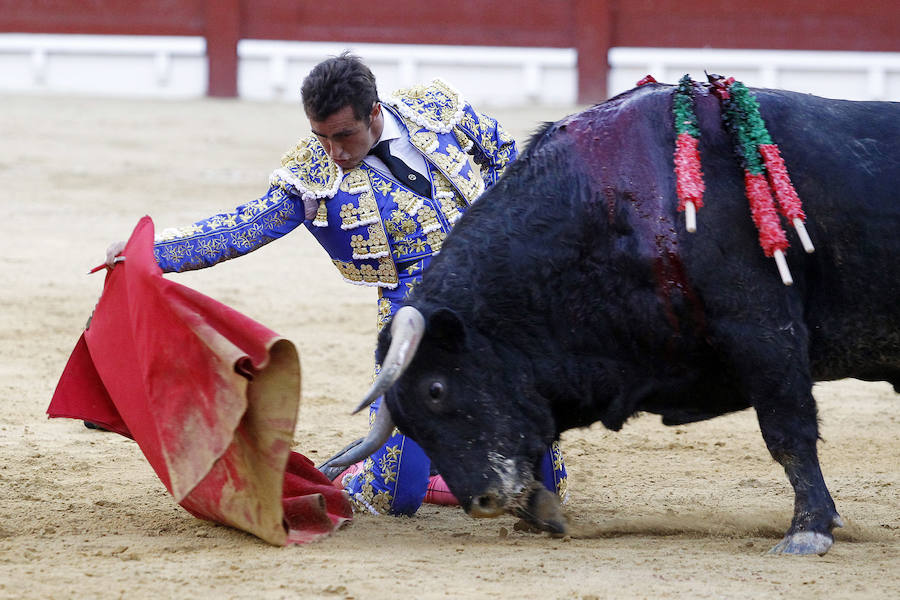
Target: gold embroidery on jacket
[
  {"x": 223, "y": 221},
  {"x": 486, "y": 122},
  {"x": 176, "y": 252},
  {"x": 424, "y": 140},
  {"x": 471, "y": 185},
  {"x": 450, "y": 208},
  {"x": 399, "y": 225},
  {"x": 366, "y": 210},
  {"x": 407, "y": 201},
  {"x": 174, "y": 233},
  {"x": 442, "y": 185},
  {"x": 463, "y": 140},
  {"x": 435, "y": 106},
  {"x": 355, "y": 182},
  {"x": 488, "y": 144},
  {"x": 211, "y": 247},
  {"x": 382, "y": 185},
  {"x": 417, "y": 246},
  {"x": 452, "y": 162},
  {"x": 436, "y": 240},
  {"x": 469, "y": 123},
  {"x": 427, "y": 218},
  {"x": 321, "y": 219},
  {"x": 375, "y": 246},
  {"x": 249, "y": 237},
  {"x": 312, "y": 167},
  {"x": 349, "y": 216},
  {"x": 366, "y": 274}
]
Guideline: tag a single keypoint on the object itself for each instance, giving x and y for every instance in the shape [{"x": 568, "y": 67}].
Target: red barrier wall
[
  {"x": 463, "y": 22},
  {"x": 776, "y": 24},
  {"x": 591, "y": 26},
  {"x": 123, "y": 17}
]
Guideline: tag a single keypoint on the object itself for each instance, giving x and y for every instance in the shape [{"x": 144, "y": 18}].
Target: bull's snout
[{"x": 486, "y": 506}]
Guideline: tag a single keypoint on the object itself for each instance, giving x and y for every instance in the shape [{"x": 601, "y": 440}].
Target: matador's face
[{"x": 347, "y": 139}]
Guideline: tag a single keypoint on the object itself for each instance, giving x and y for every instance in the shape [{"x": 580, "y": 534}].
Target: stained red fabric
[{"x": 209, "y": 395}]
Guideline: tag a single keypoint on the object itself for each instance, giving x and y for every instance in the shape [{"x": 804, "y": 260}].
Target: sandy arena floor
[{"x": 689, "y": 512}]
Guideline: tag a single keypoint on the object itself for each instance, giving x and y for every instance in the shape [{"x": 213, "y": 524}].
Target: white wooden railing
[
  {"x": 103, "y": 65},
  {"x": 176, "y": 67},
  {"x": 485, "y": 75}
]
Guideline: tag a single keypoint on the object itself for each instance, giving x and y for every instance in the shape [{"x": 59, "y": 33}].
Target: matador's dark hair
[{"x": 338, "y": 82}]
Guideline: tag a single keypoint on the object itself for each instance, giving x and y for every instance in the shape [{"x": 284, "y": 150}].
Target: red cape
[{"x": 209, "y": 395}]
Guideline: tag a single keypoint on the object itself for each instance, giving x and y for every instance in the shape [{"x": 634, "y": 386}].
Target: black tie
[{"x": 408, "y": 177}]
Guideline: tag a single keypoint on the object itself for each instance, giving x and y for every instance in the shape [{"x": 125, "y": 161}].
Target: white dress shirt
[{"x": 400, "y": 146}]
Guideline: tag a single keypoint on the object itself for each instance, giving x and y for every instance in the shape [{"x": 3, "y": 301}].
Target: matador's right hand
[{"x": 113, "y": 251}]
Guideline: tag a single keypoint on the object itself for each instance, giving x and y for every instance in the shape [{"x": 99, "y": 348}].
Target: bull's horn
[
  {"x": 379, "y": 433},
  {"x": 407, "y": 329}
]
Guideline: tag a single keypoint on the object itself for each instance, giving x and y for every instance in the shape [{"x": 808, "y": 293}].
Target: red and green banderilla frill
[
  {"x": 764, "y": 171},
  {"x": 689, "y": 184},
  {"x": 764, "y": 168}
]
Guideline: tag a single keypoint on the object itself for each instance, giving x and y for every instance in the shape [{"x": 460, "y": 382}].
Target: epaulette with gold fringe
[
  {"x": 310, "y": 172},
  {"x": 435, "y": 106}
]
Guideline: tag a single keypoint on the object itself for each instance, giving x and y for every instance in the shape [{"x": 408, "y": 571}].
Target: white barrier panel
[
  {"x": 274, "y": 70},
  {"x": 847, "y": 75},
  {"x": 176, "y": 67},
  {"x": 104, "y": 65}
]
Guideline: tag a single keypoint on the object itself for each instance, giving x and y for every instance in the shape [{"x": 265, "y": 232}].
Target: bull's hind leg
[
  {"x": 772, "y": 370},
  {"x": 791, "y": 438}
]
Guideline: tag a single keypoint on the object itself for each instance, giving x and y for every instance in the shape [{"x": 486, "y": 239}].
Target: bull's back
[
  {"x": 598, "y": 189},
  {"x": 844, "y": 160}
]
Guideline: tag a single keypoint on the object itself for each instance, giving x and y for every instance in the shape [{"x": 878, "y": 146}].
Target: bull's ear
[{"x": 446, "y": 329}]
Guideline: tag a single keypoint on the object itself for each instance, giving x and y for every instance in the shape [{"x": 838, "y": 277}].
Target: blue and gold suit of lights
[{"x": 377, "y": 233}]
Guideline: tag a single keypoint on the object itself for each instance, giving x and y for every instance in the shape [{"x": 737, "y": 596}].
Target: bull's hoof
[
  {"x": 526, "y": 527},
  {"x": 804, "y": 543},
  {"x": 544, "y": 512}
]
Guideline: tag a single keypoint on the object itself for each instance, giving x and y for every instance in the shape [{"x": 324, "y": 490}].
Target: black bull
[{"x": 571, "y": 293}]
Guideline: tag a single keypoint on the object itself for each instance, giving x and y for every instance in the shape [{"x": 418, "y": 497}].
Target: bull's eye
[{"x": 434, "y": 392}]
